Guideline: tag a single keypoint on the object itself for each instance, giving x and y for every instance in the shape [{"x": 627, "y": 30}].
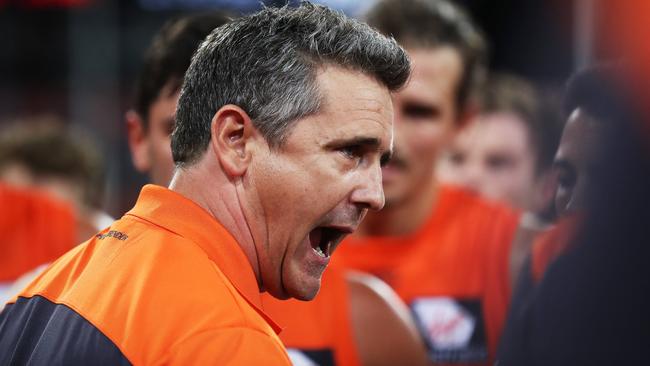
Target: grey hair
[{"x": 266, "y": 64}]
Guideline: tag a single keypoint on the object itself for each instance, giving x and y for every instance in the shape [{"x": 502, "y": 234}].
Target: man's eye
[
  {"x": 457, "y": 158},
  {"x": 499, "y": 162},
  {"x": 566, "y": 179},
  {"x": 420, "y": 111},
  {"x": 352, "y": 152}
]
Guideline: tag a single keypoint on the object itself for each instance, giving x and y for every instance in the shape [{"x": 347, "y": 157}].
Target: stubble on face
[{"x": 308, "y": 188}]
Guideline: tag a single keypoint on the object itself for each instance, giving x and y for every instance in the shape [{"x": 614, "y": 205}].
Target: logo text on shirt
[{"x": 112, "y": 234}]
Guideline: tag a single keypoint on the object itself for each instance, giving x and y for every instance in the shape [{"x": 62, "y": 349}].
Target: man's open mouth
[{"x": 324, "y": 239}]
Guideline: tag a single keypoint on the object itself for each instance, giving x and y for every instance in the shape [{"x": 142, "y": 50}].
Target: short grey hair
[{"x": 266, "y": 64}]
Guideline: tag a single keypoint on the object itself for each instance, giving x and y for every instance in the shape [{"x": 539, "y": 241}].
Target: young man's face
[
  {"x": 316, "y": 187},
  {"x": 150, "y": 146},
  {"x": 425, "y": 121},
  {"x": 494, "y": 157},
  {"x": 574, "y": 161}
]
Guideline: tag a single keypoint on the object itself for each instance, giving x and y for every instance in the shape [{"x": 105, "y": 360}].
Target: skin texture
[
  {"x": 573, "y": 162},
  {"x": 426, "y": 119},
  {"x": 493, "y": 156},
  {"x": 326, "y": 173},
  {"x": 150, "y": 145}
]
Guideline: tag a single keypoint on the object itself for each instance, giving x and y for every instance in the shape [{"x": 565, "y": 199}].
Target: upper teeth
[{"x": 319, "y": 251}]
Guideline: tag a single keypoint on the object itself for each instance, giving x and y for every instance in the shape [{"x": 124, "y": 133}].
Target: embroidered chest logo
[{"x": 112, "y": 234}]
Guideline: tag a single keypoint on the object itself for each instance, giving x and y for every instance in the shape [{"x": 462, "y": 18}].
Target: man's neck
[
  {"x": 221, "y": 202},
  {"x": 403, "y": 218}
]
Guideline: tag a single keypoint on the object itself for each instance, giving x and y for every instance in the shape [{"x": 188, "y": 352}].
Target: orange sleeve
[
  {"x": 35, "y": 229},
  {"x": 233, "y": 346}
]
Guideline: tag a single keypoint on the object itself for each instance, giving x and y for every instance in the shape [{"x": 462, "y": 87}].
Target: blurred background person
[
  {"x": 506, "y": 151},
  {"x": 62, "y": 172},
  {"x": 150, "y": 121},
  {"x": 583, "y": 297},
  {"x": 443, "y": 249}
]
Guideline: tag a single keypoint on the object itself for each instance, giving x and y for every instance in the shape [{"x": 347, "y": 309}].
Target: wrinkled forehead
[{"x": 355, "y": 103}]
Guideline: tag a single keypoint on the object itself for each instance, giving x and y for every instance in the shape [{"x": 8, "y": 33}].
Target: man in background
[
  {"x": 506, "y": 152},
  {"x": 52, "y": 191},
  {"x": 151, "y": 120},
  {"x": 583, "y": 297},
  {"x": 444, "y": 250}
]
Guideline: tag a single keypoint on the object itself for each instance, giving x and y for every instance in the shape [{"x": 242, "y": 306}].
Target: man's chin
[
  {"x": 305, "y": 291},
  {"x": 306, "y": 295}
]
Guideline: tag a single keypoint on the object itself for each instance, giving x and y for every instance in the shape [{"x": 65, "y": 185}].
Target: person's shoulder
[
  {"x": 471, "y": 205},
  {"x": 384, "y": 330},
  {"x": 171, "y": 259}
]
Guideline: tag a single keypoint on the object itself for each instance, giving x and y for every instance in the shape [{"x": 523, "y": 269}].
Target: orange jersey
[
  {"x": 318, "y": 331},
  {"x": 453, "y": 274},
  {"x": 164, "y": 285},
  {"x": 550, "y": 245},
  {"x": 35, "y": 229}
]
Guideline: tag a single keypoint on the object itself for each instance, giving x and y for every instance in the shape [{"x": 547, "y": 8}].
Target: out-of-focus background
[{"x": 78, "y": 59}]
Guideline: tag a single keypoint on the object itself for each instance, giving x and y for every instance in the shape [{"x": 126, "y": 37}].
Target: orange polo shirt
[
  {"x": 35, "y": 228},
  {"x": 452, "y": 272},
  {"x": 164, "y": 285},
  {"x": 318, "y": 331}
]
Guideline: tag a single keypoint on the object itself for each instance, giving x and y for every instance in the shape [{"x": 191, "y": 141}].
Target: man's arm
[{"x": 382, "y": 326}]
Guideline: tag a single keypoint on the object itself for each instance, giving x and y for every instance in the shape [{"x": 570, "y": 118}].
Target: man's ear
[
  {"x": 138, "y": 141},
  {"x": 231, "y": 132}
]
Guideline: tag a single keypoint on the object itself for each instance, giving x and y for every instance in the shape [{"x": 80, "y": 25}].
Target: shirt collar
[{"x": 180, "y": 215}]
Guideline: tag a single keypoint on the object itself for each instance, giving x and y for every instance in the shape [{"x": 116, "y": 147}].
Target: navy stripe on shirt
[{"x": 36, "y": 331}]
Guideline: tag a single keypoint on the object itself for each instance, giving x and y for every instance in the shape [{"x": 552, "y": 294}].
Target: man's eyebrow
[{"x": 367, "y": 142}]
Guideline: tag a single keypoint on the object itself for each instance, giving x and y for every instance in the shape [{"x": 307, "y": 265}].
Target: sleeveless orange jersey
[
  {"x": 453, "y": 274},
  {"x": 318, "y": 331},
  {"x": 164, "y": 285},
  {"x": 34, "y": 229}
]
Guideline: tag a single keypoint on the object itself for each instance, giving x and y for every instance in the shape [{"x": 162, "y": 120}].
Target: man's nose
[
  {"x": 471, "y": 176},
  {"x": 370, "y": 192}
]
